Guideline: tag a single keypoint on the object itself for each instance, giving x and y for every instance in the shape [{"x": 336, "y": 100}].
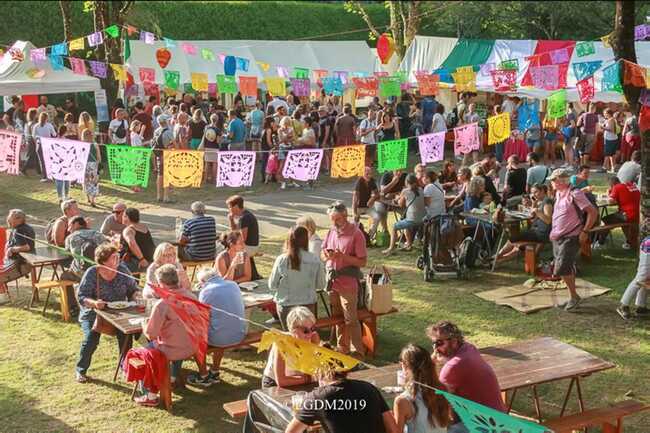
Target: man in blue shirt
[
  {"x": 429, "y": 105},
  {"x": 236, "y": 132},
  {"x": 225, "y": 329},
  {"x": 199, "y": 236}
]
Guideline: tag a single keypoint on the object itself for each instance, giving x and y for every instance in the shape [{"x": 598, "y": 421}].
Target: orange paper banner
[{"x": 248, "y": 86}]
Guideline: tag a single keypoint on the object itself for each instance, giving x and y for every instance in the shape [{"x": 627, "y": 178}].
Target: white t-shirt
[
  {"x": 276, "y": 102},
  {"x": 369, "y": 138},
  {"x": 438, "y": 124},
  {"x": 437, "y": 195},
  {"x": 136, "y": 139},
  {"x": 46, "y": 130},
  {"x": 112, "y": 127},
  {"x": 508, "y": 106}
]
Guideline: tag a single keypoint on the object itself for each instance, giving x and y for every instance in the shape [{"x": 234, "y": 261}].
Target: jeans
[
  {"x": 89, "y": 344},
  {"x": 62, "y": 189},
  {"x": 635, "y": 289},
  {"x": 498, "y": 151},
  {"x": 459, "y": 427},
  {"x": 614, "y": 218}
]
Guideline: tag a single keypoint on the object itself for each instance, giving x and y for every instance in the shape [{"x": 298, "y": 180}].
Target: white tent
[
  {"x": 15, "y": 81},
  {"x": 351, "y": 56},
  {"x": 425, "y": 54}
]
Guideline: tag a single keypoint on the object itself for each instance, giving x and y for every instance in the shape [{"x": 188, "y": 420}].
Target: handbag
[
  {"x": 382, "y": 239},
  {"x": 101, "y": 325},
  {"x": 379, "y": 291}
]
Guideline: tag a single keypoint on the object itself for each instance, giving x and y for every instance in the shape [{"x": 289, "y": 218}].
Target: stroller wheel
[
  {"x": 420, "y": 263},
  {"x": 429, "y": 275}
]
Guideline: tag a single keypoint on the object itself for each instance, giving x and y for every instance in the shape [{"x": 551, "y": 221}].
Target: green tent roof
[{"x": 468, "y": 52}]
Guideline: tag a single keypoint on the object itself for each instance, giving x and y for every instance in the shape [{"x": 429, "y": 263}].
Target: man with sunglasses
[
  {"x": 464, "y": 372},
  {"x": 112, "y": 225}
]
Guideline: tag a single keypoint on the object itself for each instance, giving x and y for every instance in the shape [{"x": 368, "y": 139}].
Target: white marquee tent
[{"x": 15, "y": 81}]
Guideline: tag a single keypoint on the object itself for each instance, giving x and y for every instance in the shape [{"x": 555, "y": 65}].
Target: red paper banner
[
  {"x": 248, "y": 86},
  {"x": 366, "y": 86},
  {"x": 504, "y": 80},
  {"x": 586, "y": 89},
  {"x": 634, "y": 75},
  {"x": 428, "y": 83},
  {"x": 319, "y": 74}
]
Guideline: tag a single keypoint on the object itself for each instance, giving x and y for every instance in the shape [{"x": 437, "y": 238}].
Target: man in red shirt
[
  {"x": 464, "y": 372},
  {"x": 628, "y": 198},
  {"x": 344, "y": 249},
  {"x": 146, "y": 120}
]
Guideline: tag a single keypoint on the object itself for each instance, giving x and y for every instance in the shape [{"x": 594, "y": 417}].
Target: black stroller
[{"x": 444, "y": 249}]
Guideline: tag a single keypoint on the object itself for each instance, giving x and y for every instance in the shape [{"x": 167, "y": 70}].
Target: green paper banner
[
  {"x": 585, "y": 48},
  {"x": 227, "y": 84},
  {"x": 172, "y": 79},
  {"x": 113, "y": 31},
  {"x": 392, "y": 155},
  {"x": 556, "y": 104},
  {"x": 483, "y": 419},
  {"x": 510, "y": 64},
  {"x": 390, "y": 86},
  {"x": 128, "y": 165},
  {"x": 301, "y": 73}
]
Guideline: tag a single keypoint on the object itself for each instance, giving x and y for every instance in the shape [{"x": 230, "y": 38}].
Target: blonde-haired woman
[
  {"x": 91, "y": 180},
  {"x": 71, "y": 129},
  {"x": 86, "y": 123},
  {"x": 286, "y": 140},
  {"x": 315, "y": 242},
  {"x": 164, "y": 254}
]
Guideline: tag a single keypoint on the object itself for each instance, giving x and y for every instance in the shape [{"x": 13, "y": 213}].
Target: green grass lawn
[{"x": 38, "y": 353}]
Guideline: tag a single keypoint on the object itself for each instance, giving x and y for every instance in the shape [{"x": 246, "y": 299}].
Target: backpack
[
  {"x": 120, "y": 132},
  {"x": 583, "y": 215},
  {"x": 49, "y": 230},
  {"x": 468, "y": 252},
  {"x": 158, "y": 139},
  {"x": 88, "y": 248}
]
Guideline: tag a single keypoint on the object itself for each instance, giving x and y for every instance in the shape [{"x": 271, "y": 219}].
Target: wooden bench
[
  {"x": 165, "y": 386},
  {"x": 609, "y": 419},
  {"x": 531, "y": 249},
  {"x": 61, "y": 285},
  {"x": 585, "y": 247},
  {"x": 195, "y": 266}
]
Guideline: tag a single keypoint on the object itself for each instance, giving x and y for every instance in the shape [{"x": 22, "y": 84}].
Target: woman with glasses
[
  {"x": 300, "y": 323},
  {"x": 112, "y": 224},
  {"x": 165, "y": 254}
]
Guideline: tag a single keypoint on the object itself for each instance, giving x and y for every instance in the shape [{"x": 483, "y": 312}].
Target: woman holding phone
[{"x": 234, "y": 263}]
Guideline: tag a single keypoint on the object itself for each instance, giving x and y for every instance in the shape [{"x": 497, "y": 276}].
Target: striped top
[{"x": 202, "y": 234}]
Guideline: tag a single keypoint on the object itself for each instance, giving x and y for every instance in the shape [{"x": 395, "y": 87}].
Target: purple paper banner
[
  {"x": 236, "y": 169},
  {"x": 300, "y": 86},
  {"x": 65, "y": 159},
  {"x": 98, "y": 69},
  {"x": 303, "y": 164},
  {"x": 432, "y": 147}
]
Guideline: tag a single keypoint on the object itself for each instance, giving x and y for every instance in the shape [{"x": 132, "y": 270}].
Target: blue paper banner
[
  {"x": 528, "y": 115},
  {"x": 583, "y": 70},
  {"x": 333, "y": 86}
]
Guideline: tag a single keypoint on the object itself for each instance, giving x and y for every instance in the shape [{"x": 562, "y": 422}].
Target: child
[
  {"x": 272, "y": 166},
  {"x": 137, "y": 133},
  {"x": 487, "y": 203}
]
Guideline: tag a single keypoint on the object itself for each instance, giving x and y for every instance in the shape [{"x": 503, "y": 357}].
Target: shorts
[
  {"x": 237, "y": 146},
  {"x": 551, "y": 136},
  {"x": 158, "y": 161},
  {"x": 529, "y": 236},
  {"x": 611, "y": 146},
  {"x": 532, "y": 144},
  {"x": 211, "y": 155},
  {"x": 194, "y": 143},
  {"x": 586, "y": 144},
  {"x": 565, "y": 253},
  {"x": 406, "y": 225},
  {"x": 380, "y": 209}
]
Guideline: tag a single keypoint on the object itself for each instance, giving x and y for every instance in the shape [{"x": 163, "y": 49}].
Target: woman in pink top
[{"x": 165, "y": 330}]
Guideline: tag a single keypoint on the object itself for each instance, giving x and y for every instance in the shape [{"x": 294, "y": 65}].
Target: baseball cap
[{"x": 560, "y": 172}]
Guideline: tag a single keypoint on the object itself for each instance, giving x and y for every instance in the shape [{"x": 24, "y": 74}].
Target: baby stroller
[{"x": 444, "y": 251}]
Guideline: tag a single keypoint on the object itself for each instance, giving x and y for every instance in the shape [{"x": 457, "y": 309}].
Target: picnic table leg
[
  {"x": 128, "y": 342},
  {"x": 566, "y": 397},
  {"x": 47, "y": 300},
  {"x": 512, "y": 398},
  {"x": 581, "y": 403},
  {"x": 494, "y": 262},
  {"x": 34, "y": 279},
  {"x": 538, "y": 410},
  {"x": 65, "y": 304}
]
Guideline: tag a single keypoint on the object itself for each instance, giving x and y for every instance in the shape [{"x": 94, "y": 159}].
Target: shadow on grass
[{"x": 19, "y": 414}]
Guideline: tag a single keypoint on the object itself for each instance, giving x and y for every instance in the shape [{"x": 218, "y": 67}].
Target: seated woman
[
  {"x": 300, "y": 322},
  {"x": 412, "y": 200},
  {"x": 315, "y": 242},
  {"x": 448, "y": 177},
  {"x": 419, "y": 172},
  {"x": 419, "y": 409},
  {"x": 464, "y": 176},
  {"x": 137, "y": 245},
  {"x": 164, "y": 254},
  {"x": 296, "y": 276},
  {"x": 542, "y": 214},
  {"x": 166, "y": 331},
  {"x": 233, "y": 263},
  {"x": 109, "y": 282}
]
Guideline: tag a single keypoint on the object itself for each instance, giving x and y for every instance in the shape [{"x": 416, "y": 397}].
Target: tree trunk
[
  {"x": 622, "y": 43},
  {"x": 65, "y": 6}
]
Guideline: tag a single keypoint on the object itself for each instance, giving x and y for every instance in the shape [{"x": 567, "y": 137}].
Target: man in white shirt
[
  {"x": 508, "y": 106},
  {"x": 630, "y": 171},
  {"x": 118, "y": 129},
  {"x": 47, "y": 108},
  {"x": 277, "y": 102}
]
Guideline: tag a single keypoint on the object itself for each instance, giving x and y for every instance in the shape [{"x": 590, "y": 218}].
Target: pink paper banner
[
  {"x": 341, "y": 75},
  {"x": 504, "y": 80},
  {"x": 236, "y": 169},
  {"x": 283, "y": 71},
  {"x": 147, "y": 37},
  {"x": 95, "y": 39},
  {"x": 545, "y": 77},
  {"x": 560, "y": 56},
  {"x": 78, "y": 66},
  {"x": 10, "y": 144},
  {"x": 466, "y": 139},
  {"x": 65, "y": 159},
  {"x": 303, "y": 164},
  {"x": 300, "y": 86},
  {"x": 432, "y": 147},
  {"x": 222, "y": 58},
  {"x": 98, "y": 69},
  {"x": 147, "y": 75},
  {"x": 37, "y": 55},
  {"x": 188, "y": 48},
  {"x": 586, "y": 89}
]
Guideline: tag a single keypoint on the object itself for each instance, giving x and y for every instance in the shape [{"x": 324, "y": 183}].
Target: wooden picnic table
[
  {"x": 42, "y": 257},
  {"x": 517, "y": 365}
]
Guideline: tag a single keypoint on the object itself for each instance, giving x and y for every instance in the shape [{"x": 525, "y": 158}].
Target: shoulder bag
[{"x": 101, "y": 325}]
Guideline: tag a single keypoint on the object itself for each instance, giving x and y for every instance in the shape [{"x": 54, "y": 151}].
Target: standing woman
[
  {"x": 388, "y": 128},
  {"x": 210, "y": 145},
  {"x": 419, "y": 409},
  {"x": 611, "y": 140},
  {"x": 91, "y": 179},
  {"x": 315, "y": 242},
  {"x": 286, "y": 139},
  {"x": 137, "y": 245},
  {"x": 197, "y": 127},
  {"x": 86, "y": 122},
  {"x": 182, "y": 131},
  {"x": 30, "y": 141},
  {"x": 71, "y": 129},
  {"x": 308, "y": 135},
  {"x": 296, "y": 276},
  {"x": 266, "y": 143},
  {"x": 550, "y": 140}
]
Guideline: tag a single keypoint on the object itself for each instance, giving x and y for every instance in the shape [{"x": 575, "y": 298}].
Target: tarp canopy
[
  {"x": 350, "y": 56},
  {"x": 426, "y": 53},
  {"x": 14, "y": 79}
]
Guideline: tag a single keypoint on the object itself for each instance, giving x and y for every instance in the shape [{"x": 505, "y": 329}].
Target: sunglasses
[{"x": 306, "y": 330}]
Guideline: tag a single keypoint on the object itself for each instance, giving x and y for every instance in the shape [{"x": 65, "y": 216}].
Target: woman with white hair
[
  {"x": 286, "y": 140},
  {"x": 164, "y": 254},
  {"x": 300, "y": 323},
  {"x": 315, "y": 242}
]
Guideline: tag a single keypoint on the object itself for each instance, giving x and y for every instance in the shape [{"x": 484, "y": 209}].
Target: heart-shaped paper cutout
[{"x": 163, "y": 55}]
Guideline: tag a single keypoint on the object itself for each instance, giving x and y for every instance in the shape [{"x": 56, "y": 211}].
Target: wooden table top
[
  {"x": 120, "y": 319},
  {"x": 44, "y": 255}
]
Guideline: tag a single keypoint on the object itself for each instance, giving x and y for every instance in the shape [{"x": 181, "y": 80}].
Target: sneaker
[
  {"x": 295, "y": 185},
  {"x": 597, "y": 246},
  {"x": 624, "y": 312},
  {"x": 198, "y": 380},
  {"x": 4, "y": 298},
  {"x": 272, "y": 321},
  {"x": 642, "y": 312},
  {"x": 283, "y": 185},
  {"x": 144, "y": 400},
  {"x": 213, "y": 376},
  {"x": 626, "y": 246},
  {"x": 80, "y": 377},
  {"x": 572, "y": 304},
  {"x": 44, "y": 180}
]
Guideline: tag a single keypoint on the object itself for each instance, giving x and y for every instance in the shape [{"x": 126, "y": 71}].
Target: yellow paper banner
[
  {"x": 465, "y": 79},
  {"x": 182, "y": 168},
  {"x": 605, "y": 40},
  {"x": 265, "y": 66},
  {"x": 77, "y": 44},
  {"x": 119, "y": 71},
  {"x": 276, "y": 86},
  {"x": 199, "y": 81},
  {"x": 647, "y": 78},
  {"x": 348, "y": 161},
  {"x": 305, "y": 356},
  {"x": 498, "y": 128}
]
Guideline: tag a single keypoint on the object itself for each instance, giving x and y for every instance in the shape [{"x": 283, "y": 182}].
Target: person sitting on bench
[
  {"x": 628, "y": 198},
  {"x": 21, "y": 240}
]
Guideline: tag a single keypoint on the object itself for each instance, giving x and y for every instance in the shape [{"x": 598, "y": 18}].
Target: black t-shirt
[
  {"x": 248, "y": 221},
  {"x": 489, "y": 187},
  {"x": 388, "y": 177},
  {"x": 197, "y": 128},
  {"x": 516, "y": 181},
  {"x": 348, "y": 406},
  {"x": 211, "y": 144},
  {"x": 365, "y": 190},
  {"x": 21, "y": 235}
]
